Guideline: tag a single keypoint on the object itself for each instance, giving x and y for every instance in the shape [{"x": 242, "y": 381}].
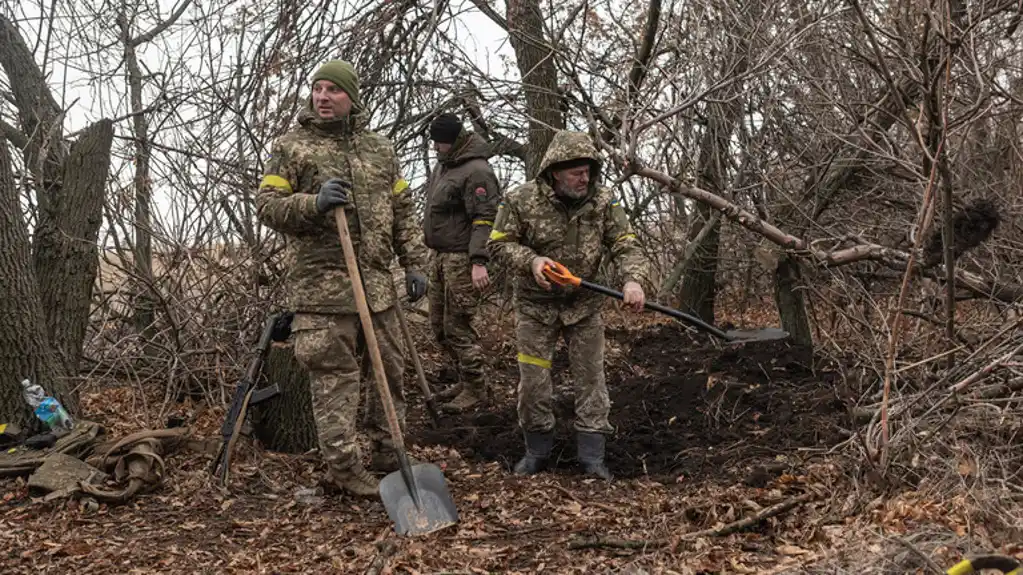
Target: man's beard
[{"x": 570, "y": 193}]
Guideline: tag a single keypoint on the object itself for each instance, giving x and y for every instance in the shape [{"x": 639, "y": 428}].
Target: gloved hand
[
  {"x": 333, "y": 193},
  {"x": 415, "y": 285},
  {"x": 282, "y": 326}
]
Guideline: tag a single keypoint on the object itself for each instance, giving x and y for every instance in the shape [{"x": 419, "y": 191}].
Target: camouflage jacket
[
  {"x": 380, "y": 217},
  {"x": 461, "y": 200},
  {"x": 532, "y": 221}
]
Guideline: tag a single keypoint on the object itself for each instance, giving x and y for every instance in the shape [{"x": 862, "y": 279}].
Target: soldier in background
[
  {"x": 461, "y": 200},
  {"x": 563, "y": 215},
  {"x": 331, "y": 161}
]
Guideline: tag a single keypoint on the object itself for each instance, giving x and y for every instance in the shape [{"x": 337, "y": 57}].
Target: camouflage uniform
[
  {"x": 533, "y": 221},
  {"x": 326, "y": 327},
  {"x": 462, "y": 197}
]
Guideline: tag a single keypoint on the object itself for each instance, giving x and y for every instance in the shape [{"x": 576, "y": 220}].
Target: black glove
[
  {"x": 281, "y": 330},
  {"x": 333, "y": 193},
  {"x": 415, "y": 285}
]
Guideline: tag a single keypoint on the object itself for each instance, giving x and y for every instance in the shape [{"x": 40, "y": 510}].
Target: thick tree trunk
[
  {"x": 24, "y": 352},
  {"x": 69, "y": 185},
  {"x": 535, "y": 61},
  {"x": 285, "y": 423},
  {"x": 66, "y": 256}
]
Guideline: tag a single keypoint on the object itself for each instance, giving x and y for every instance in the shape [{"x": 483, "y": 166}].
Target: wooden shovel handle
[
  {"x": 431, "y": 403},
  {"x": 367, "y": 327}
]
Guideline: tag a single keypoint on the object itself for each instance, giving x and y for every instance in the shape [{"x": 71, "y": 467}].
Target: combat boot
[
  {"x": 356, "y": 480},
  {"x": 384, "y": 458},
  {"x": 590, "y": 452},
  {"x": 472, "y": 395},
  {"x": 538, "y": 449}
]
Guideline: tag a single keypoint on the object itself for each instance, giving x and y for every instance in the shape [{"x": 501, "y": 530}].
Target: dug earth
[{"x": 683, "y": 409}]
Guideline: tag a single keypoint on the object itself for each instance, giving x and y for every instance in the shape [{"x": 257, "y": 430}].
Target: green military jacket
[
  {"x": 380, "y": 217},
  {"x": 461, "y": 200},
  {"x": 532, "y": 221}
]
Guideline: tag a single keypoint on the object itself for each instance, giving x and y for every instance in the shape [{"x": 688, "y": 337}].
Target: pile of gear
[{"x": 85, "y": 463}]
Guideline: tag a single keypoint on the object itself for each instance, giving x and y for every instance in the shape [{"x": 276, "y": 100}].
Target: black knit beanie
[{"x": 445, "y": 128}]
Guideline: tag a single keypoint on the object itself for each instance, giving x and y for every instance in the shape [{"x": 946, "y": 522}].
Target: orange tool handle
[{"x": 560, "y": 275}]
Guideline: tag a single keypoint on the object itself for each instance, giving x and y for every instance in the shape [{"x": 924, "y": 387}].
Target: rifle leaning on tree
[{"x": 276, "y": 328}]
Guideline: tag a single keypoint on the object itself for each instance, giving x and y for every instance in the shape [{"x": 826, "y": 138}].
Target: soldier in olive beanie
[{"x": 342, "y": 74}]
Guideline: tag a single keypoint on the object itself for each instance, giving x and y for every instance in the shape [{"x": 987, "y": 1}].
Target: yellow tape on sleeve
[{"x": 275, "y": 181}]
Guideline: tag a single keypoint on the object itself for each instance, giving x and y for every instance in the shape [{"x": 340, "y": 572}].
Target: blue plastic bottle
[{"x": 47, "y": 408}]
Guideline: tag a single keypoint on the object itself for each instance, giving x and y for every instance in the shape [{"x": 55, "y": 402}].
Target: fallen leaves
[{"x": 508, "y": 524}]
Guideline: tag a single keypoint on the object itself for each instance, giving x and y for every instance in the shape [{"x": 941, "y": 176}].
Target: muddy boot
[
  {"x": 385, "y": 459},
  {"x": 356, "y": 480},
  {"x": 472, "y": 395},
  {"x": 538, "y": 449},
  {"x": 590, "y": 452}
]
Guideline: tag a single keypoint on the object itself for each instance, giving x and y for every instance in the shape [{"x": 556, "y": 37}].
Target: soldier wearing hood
[
  {"x": 461, "y": 200},
  {"x": 564, "y": 216},
  {"x": 331, "y": 161}
]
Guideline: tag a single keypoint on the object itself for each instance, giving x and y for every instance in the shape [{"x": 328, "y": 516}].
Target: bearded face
[{"x": 573, "y": 183}]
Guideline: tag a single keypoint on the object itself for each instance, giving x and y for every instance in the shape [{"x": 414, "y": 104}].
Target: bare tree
[{"x": 68, "y": 184}]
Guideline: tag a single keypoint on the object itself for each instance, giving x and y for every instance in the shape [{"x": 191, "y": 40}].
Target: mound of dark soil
[{"x": 679, "y": 407}]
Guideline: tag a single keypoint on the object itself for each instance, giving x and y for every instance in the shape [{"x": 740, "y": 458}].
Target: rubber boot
[
  {"x": 538, "y": 449},
  {"x": 356, "y": 480},
  {"x": 590, "y": 452}
]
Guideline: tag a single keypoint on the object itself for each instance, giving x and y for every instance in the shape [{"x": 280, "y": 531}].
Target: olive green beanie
[{"x": 342, "y": 74}]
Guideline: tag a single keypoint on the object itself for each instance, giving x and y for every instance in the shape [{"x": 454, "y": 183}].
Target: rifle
[{"x": 276, "y": 328}]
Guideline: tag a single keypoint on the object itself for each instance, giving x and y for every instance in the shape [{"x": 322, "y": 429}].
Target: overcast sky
[
  {"x": 74, "y": 81},
  {"x": 91, "y": 82}
]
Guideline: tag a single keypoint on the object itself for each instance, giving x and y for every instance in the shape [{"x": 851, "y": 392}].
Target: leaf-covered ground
[{"x": 706, "y": 438}]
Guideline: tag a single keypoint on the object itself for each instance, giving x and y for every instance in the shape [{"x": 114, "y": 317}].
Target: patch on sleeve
[
  {"x": 481, "y": 191},
  {"x": 400, "y": 186}
]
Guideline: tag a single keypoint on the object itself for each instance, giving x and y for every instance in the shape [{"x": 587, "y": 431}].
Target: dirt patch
[{"x": 679, "y": 407}]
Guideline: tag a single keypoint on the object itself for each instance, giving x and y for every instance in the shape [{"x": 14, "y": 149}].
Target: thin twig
[
  {"x": 923, "y": 557},
  {"x": 603, "y": 506}
]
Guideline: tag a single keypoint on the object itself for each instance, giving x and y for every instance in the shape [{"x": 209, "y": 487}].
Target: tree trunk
[
  {"x": 24, "y": 352},
  {"x": 699, "y": 289},
  {"x": 142, "y": 252},
  {"x": 69, "y": 184},
  {"x": 699, "y": 286},
  {"x": 535, "y": 60},
  {"x": 285, "y": 423},
  {"x": 66, "y": 256},
  {"x": 789, "y": 298},
  {"x": 39, "y": 114}
]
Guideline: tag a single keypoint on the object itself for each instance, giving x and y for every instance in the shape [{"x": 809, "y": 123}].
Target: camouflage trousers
[
  {"x": 536, "y": 342},
  {"x": 330, "y": 347},
  {"x": 453, "y": 303}
]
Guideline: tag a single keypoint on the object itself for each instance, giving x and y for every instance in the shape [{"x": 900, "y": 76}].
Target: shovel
[
  {"x": 431, "y": 403},
  {"x": 416, "y": 497},
  {"x": 560, "y": 275}
]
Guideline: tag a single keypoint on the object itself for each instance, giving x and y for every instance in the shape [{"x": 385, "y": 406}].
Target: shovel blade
[
  {"x": 435, "y": 509},
  {"x": 764, "y": 334}
]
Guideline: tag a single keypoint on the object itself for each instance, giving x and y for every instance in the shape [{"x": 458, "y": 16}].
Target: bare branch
[
  {"x": 489, "y": 12},
  {"x": 159, "y": 28}
]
